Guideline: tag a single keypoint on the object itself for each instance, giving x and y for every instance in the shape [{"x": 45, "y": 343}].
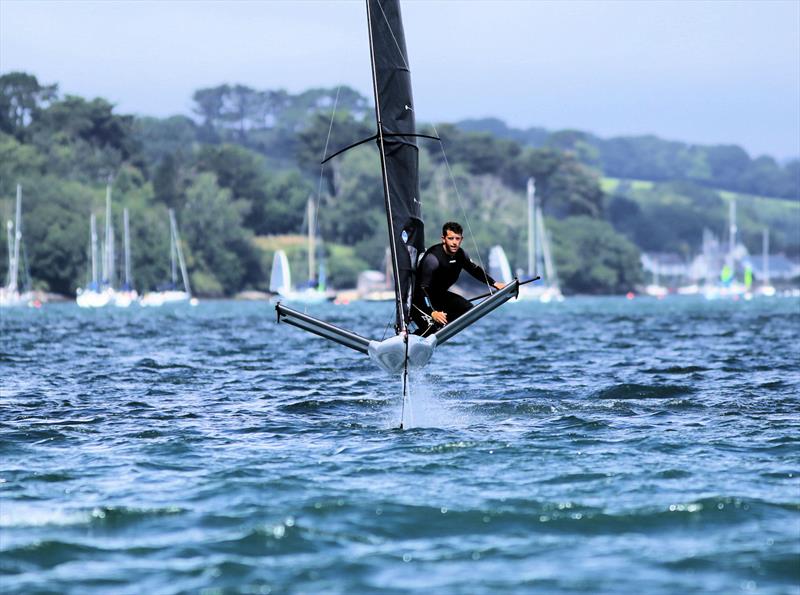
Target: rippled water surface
[{"x": 594, "y": 446}]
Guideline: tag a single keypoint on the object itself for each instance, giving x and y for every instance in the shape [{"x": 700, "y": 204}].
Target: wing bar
[
  {"x": 495, "y": 301},
  {"x": 322, "y": 329}
]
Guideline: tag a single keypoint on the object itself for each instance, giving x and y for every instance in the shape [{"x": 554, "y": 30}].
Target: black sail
[{"x": 400, "y": 156}]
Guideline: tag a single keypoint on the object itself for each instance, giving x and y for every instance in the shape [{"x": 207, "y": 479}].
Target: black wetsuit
[{"x": 436, "y": 273}]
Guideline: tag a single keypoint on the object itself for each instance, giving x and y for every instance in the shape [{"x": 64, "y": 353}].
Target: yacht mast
[
  {"x": 311, "y": 247},
  {"x": 14, "y": 265},
  {"x": 173, "y": 262},
  {"x": 179, "y": 251},
  {"x": 93, "y": 227},
  {"x": 549, "y": 266},
  {"x": 10, "y": 238},
  {"x": 127, "y": 247},
  {"x": 732, "y": 233},
  {"x": 531, "y": 228},
  {"x": 108, "y": 255}
]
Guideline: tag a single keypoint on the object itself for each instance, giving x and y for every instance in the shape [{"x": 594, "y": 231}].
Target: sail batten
[{"x": 396, "y": 139}]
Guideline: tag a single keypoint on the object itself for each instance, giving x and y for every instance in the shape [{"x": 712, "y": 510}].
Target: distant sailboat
[
  {"x": 280, "y": 279},
  {"x": 766, "y": 288},
  {"x": 727, "y": 285},
  {"x": 98, "y": 294},
  {"x": 92, "y": 296},
  {"x": 126, "y": 295},
  {"x": 10, "y": 295},
  {"x": 655, "y": 289},
  {"x": 539, "y": 249},
  {"x": 172, "y": 294},
  {"x": 498, "y": 265}
]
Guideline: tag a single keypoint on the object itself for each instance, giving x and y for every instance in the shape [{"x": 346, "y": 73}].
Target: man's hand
[
  {"x": 440, "y": 317},
  {"x": 499, "y": 285}
]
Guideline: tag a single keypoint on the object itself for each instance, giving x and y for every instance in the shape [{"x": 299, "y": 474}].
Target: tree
[
  {"x": 357, "y": 210},
  {"x": 18, "y": 161},
  {"x": 284, "y": 209},
  {"x": 592, "y": 258},
  {"x": 727, "y": 163},
  {"x": 176, "y": 136},
  {"x": 481, "y": 153},
  {"x": 56, "y": 233},
  {"x": 314, "y": 143},
  {"x": 167, "y": 184},
  {"x": 21, "y": 97},
  {"x": 210, "y": 103},
  {"x": 85, "y": 139},
  {"x": 220, "y": 248}
]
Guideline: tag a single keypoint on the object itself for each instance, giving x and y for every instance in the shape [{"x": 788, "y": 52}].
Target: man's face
[{"x": 451, "y": 241}]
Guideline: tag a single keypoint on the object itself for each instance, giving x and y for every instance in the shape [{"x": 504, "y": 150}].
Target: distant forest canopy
[
  {"x": 239, "y": 173},
  {"x": 726, "y": 167}
]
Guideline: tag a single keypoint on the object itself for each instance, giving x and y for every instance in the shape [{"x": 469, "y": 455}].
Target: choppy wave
[{"x": 596, "y": 446}]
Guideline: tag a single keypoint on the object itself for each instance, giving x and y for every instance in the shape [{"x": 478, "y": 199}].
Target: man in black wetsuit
[{"x": 433, "y": 305}]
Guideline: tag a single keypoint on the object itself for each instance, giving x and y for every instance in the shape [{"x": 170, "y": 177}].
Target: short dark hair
[{"x": 452, "y": 226}]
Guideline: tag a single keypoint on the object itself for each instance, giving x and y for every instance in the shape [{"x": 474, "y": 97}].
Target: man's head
[{"x": 452, "y": 234}]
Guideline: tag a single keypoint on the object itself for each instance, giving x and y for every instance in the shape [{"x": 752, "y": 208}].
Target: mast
[
  {"x": 173, "y": 262},
  {"x": 549, "y": 267},
  {"x": 14, "y": 265},
  {"x": 732, "y": 233},
  {"x": 400, "y": 318},
  {"x": 531, "y": 228},
  {"x": 765, "y": 256},
  {"x": 108, "y": 257},
  {"x": 112, "y": 261},
  {"x": 93, "y": 227},
  {"x": 179, "y": 250},
  {"x": 10, "y": 238},
  {"x": 127, "y": 247},
  {"x": 311, "y": 247},
  {"x": 399, "y": 154}
]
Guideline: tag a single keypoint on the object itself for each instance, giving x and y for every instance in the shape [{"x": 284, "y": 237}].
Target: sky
[{"x": 707, "y": 72}]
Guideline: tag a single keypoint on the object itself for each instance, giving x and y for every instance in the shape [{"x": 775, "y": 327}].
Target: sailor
[{"x": 433, "y": 305}]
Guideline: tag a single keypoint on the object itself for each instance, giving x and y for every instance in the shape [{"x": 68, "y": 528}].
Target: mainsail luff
[{"x": 399, "y": 154}]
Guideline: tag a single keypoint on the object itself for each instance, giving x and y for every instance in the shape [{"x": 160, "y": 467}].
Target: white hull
[
  {"x": 308, "y": 296},
  {"x": 541, "y": 294},
  {"x": 15, "y": 299},
  {"x": 123, "y": 299},
  {"x": 733, "y": 291},
  {"x": 156, "y": 299},
  {"x": 658, "y": 291},
  {"x": 89, "y": 298}
]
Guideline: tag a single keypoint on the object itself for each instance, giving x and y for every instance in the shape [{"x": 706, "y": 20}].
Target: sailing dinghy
[{"x": 399, "y": 156}]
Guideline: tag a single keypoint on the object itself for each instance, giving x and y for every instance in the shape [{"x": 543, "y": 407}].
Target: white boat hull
[
  {"x": 156, "y": 299},
  {"x": 14, "y": 299},
  {"x": 390, "y": 354},
  {"x": 89, "y": 298}
]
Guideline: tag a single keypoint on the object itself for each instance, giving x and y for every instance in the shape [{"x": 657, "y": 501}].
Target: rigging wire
[
  {"x": 386, "y": 330},
  {"x": 461, "y": 203},
  {"x": 441, "y": 144},
  {"x": 322, "y": 168},
  {"x": 389, "y": 26}
]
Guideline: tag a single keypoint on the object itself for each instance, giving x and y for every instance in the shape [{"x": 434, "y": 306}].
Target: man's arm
[
  {"x": 426, "y": 270},
  {"x": 476, "y": 271}
]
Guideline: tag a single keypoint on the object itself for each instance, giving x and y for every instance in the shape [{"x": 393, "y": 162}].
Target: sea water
[{"x": 593, "y": 446}]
